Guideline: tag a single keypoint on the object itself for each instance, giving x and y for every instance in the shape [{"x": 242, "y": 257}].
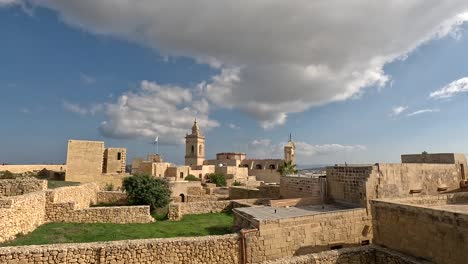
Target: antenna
[{"x": 290, "y": 137}]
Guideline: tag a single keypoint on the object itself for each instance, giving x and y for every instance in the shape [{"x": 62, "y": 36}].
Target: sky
[{"x": 359, "y": 81}]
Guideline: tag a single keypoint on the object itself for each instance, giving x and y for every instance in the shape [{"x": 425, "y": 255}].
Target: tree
[
  {"x": 287, "y": 168},
  {"x": 191, "y": 177},
  {"x": 147, "y": 190},
  {"x": 218, "y": 178}
]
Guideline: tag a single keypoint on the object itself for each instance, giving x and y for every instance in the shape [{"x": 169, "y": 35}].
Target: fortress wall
[
  {"x": 436, "y": 235},
  {"x": 236, "y": 192},
  {"x": 287, "y": 237},
  {"x": 20, "y": 186},
  {"x": 21, "y": 214},
  {"x": 265, "y": 175},
  {"x": 178, "y": 210},
  {"x": 300, "y": 187},
  {"x": 113, "y": 197},
  {"x": 33, "y": 167},
  {"x": 210, "y": 249}
]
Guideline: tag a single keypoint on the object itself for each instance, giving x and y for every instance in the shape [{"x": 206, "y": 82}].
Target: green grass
[
  {"x": 190, "y": 225},
  {"x": 51, "y": 184}
]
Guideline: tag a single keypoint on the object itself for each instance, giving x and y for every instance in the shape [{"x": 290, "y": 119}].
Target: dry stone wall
[
  {"x": 20, "y": 186},
  {"x": 21, "y": 214},
  {"x": 117, "y": 198},
  {"x": 196, "y": 250},
  {"x": 278, "y": 238},
  {"x": 300, "y": 187},
  {"x": 82, "y": 196},
  {"x": 359, "y": 255},
  {"x": 178, "y": 210},
  {"x": 272, "y": 192},
  {"x": 113, "y": 214}
]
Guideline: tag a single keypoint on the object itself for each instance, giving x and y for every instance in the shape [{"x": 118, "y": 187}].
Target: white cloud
[
  {"x": 451, "y": 89},
  {"x": 275, "y": 57},
  {"x": 87, "y": 79},
  {"x": 82, "y": 110},
  {"x": 156, "y": 110},
  {"x": 397, "y": 110},
  {"x": 9, "y": 2},
  {"x": 233, "y": 126},
  {"x": 265, "y": 148},
  {"x": 423, "y": 111}
]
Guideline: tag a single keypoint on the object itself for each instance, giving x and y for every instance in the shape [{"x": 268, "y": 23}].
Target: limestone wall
[
  {"x": 209, "y": 249},
  {"x": 266, "y": 191},
  {"x": 436, "y": 235},
  {"x": 82, "y": 196},
  {"x": 359, "y": 255},
  {"x": 84, "y": 160},
  {"x": 113, "y": 214},
  {"x": 178, "y": 210},
  {"x": 20, "y": 186},
  {"x": 277, "y": 238},
  {"x": 33, "y": 167},
  {"x": 359, "y": 184},
  {"x": 21, "y": 214},
  {"x": 265, "y": 175},
  {"x": 116, "y": 198},
  {"x": 300, "y": 187}
]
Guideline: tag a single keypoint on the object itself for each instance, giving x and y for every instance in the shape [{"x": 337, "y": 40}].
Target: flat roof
[
  {"x": 270, "y": 213},
  {"x": 460, "y": 208}
]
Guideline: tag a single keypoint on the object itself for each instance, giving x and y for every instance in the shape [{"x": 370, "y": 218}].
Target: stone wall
[
  {"x": 359, "y": 255},
  {"x": 34, "y": 167},
  {"x": 178, "y": 210},
  {"x": 21, "y": 214},
  {"x": 113, "y": 214},
  {"x": 265, "y": 191},
  {"x": 286, "y": 237},
  {"x": 116, "y": 198},
  {"x": 209, "y": 249},
  {"x": 84, "y": 160},
  {"x": 299, "y": 187},
  {"x": 81, "y": 196},
  {"x": 359, "y": 184},
  {"x": 20, "y": 186},
  {"x": 433, "y": 234}
]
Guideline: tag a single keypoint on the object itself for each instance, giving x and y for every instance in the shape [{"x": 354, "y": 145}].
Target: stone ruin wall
[
  {"x": 21, "y": 214},
  {"x": 82, "y": 196},
  {"x": 178, "y": 210},
  {"x": 20, "y": 186},
  {"x": 112, "y": 197},
  {"x": 113, "y": 214},
  {"x": 300, "y": 187},
  {"x": 288, "y": 237},
  {"x": 359, "y": 255},
  {"x": 272, "y": 192},
  {"x": 34, "y": 167},
  {"x": 210, "y": 249},
  {"x": 421, "y": 231}
]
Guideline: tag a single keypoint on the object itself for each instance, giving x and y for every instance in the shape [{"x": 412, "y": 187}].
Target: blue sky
[{"x": 61, "y": 79}]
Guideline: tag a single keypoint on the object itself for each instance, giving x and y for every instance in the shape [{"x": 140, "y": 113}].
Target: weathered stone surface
[{"x": 20, "y": 186}]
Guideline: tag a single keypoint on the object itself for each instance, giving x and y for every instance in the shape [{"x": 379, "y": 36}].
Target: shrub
[
  {"x": 191, "y": 177},
  {"x": 147, "y": 190},
  {"x": 109, "y": 187},
  {"x": 236, "y": 183},
  {"x": 218, "y": 179},
  {"x": 43, "y": 174},
  {"x": 7, "y": 175}
]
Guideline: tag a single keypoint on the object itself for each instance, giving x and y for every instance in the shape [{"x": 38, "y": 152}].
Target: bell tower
[
  {"x": 289, "y": 151},
  {"x": 194, "y": 146}
]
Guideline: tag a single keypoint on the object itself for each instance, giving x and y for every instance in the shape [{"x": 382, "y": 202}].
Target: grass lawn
[
  {"x": 51, "y": 184},
  {"x": 191, "y": 225}
]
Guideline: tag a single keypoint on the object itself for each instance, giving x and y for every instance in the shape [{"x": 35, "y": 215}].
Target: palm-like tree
[{"x": 287, "y": 168}]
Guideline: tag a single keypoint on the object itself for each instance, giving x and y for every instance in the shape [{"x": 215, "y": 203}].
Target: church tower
[
  {"x": 194, "y": 147},
  {"x": 289, "y": 149}
]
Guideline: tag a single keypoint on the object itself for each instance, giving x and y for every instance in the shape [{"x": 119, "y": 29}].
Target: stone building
[{"x": 195, "y": 147}]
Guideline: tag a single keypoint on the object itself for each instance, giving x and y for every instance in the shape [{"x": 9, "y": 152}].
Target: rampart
[
  {"x": 20, "y": 186},
  {"x": 428, "y": 231},
  {"x": 34, "y": 167},
  {"x": 209, "y": 249}
]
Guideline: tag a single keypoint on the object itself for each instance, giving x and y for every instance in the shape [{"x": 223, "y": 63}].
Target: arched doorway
[{"x": 182, "y": 197}]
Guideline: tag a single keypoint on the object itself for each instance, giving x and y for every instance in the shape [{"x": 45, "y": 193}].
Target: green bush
[
  {"x": 7, "y": 175},
  {"x": 147, "y": 190},
  {"x": 43, "y": 174},
  {"x": 218, "y": 178},
  {"x": 236, "y": 183},
  {"x": 191, "y": 177}
]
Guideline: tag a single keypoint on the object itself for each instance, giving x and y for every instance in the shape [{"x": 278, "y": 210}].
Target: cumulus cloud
[
  {"x": 265, "y": 148},
  {"x": 423, "y": 111},
  {"x": 451, "y": 89},
  {"x": 397, "y": 110},
  {"x": 275, "y": 57},
  {"x": 233, "y": 126},
  {"x": 82, "y": 110},
  {"x": 156, "y": 110}
]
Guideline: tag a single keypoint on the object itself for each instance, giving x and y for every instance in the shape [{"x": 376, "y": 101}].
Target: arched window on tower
[{"x": 193, "y": 150}]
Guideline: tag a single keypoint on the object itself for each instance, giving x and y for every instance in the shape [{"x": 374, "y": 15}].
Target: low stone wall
[
  {"x": 293, "y": 202},
  {"x": 421, "y": 231},
  {"x": 27, "y": 168},
  {"x": 113, "y": 214},
  {"x": 20, "y": 186},
  {"x": 178, "y": 210},
  {"x": 300, "y": 187},
  {"x": 21, "y": 214},
  {"x": 359, "y": 255},
  {"x": 117, "y": 198},
  {"x": 209, "y": 249},
  {"x": 82, "y": 196},
  {"x": 239, "y": 192},
  {"x": 287, "y": 237}
]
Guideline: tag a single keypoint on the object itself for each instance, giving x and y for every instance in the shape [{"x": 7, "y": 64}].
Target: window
[
  {"x": 258, "y": 167},
  {"x": 181, "y": 175},
  {"x": 272, "y": 167},
  {"x": 119, "y": 155},
  {"x": 200, "y": 175},
  {"x": 193, "y": 150}
]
